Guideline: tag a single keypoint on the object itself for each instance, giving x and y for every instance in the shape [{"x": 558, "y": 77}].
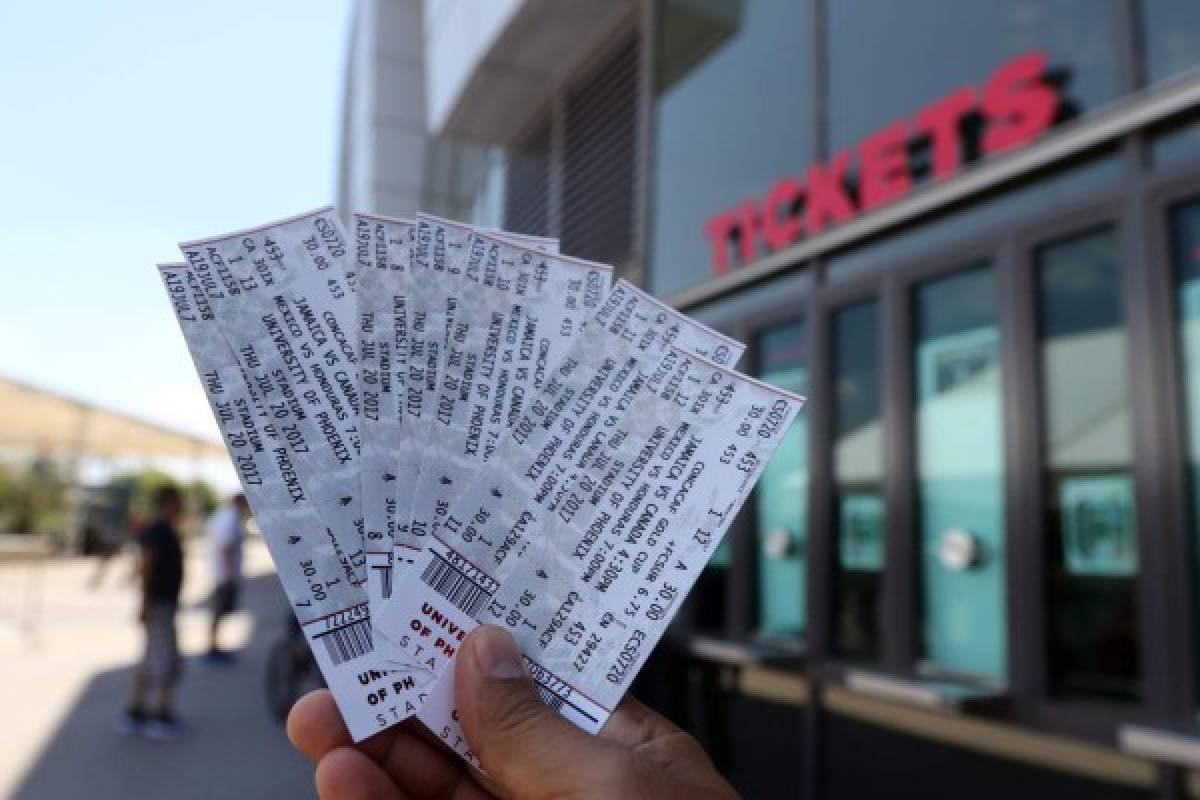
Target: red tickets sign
[{"x": 1015, "y": 106}]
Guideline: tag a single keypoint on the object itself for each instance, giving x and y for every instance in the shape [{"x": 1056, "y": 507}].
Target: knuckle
[
  {"x": 513, "y": 715},
  {"x": 519, "y": 717}
]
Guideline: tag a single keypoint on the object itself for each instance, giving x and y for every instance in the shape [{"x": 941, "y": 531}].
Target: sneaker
[
  {"x": 162, "y": 728},
  {"x": 130, "y": 722}
]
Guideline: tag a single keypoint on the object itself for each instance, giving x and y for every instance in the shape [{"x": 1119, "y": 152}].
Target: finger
[
  {"x": 652, "y": 735},
  {"x": 346, "y": 774},
  {"x": 524, "y": 746},
  {"x": 633, "y": 724},
  {"x": 419, "y": 768},
  {"x": 315, "y": 725},
  {"x": 423, "y": 769}
]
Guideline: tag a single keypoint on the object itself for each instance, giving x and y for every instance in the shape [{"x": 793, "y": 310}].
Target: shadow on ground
[{"x": 234, "y": 749}]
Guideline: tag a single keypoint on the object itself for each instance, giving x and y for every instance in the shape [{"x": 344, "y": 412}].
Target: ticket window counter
[
  {"x": 1184, "y": 253},
  {"x": 1025, "y": 340},
  {"x": 901, "y": 476},
  {"x": 781, "y": 499},
  {"x": 1089, "y": 517},
  {"x": 949, "y": 480},
  {"x": 764, "y": 559},
  {"x": 1172, "y": 734},
  {"x": 959, "y": 473},
  {"x": 951, "y": 477},
  {"x": 859, "y": 519}
]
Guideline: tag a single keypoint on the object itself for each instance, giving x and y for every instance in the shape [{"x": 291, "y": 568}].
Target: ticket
[
  {"x": 390, "y": 462},
  {"x": 280, "y": 297},
  {"x": 436, "y": 264},
  {"x": 434, "y": 286},
  {"x": 653, "y": 325},
  {"x": 514, "y": 321},
  {"x": 587, "y": 607},
  {"x": 512, "y": 327},
  {"x": 315, "y": 575},
  {"x": 382, "y": 262},
  {"x": 445, "y": 251},
  {"x": 441, "y": 247},
  {"x": 605, "y": 503}
]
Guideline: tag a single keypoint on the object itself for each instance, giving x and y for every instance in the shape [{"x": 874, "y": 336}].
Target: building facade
[{"x": 969, "y": 232}]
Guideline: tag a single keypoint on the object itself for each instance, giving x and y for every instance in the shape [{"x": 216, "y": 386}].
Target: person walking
[
  {"x": 160, "y": 567},
  {"x": 225, "y": 533}
]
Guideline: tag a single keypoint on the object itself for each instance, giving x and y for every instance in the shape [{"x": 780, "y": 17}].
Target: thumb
[{"x": 526, "y": 748}]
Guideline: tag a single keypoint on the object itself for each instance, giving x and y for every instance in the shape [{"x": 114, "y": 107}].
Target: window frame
[
  {"x": 1177, "y": 699},
  {"x": 1170, "y": 644},
  {"x": 1011, "y": 252},
  {"x": 1033, "y": 692},
  {"x": 744, "y": 609}
]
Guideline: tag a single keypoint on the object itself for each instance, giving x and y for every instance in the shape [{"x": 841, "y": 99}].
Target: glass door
[
  {"x": 781, "y": 501},
  {"x": 959, "y": 472},
  {"x": 1185, "y": 261},
  {"x": 1091, "y": 524},
  {"x": 858, "y": 481}
]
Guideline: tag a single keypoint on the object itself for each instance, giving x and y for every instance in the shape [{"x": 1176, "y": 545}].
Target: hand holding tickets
[
  {"x": 439, "y": 426},
  {"x": 525, "y": 749}
]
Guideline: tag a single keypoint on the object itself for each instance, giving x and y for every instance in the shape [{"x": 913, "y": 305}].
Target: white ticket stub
[
  {"x": 434, "y": 298},
  {"x": 389, "y": 297},
  {"x": 511, "y": 328},
  {"x": 315, "y": 575},
  {"x": 601, "y": 509},
  {"x": 281, "y": 298},
  {"x": 460, "y": 299},
  {"x": 510, "y": 317},
  {"x": 389, "y": 464}
]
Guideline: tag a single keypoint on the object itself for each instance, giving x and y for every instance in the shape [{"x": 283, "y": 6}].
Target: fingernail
[{"x": 497, "y": 653}]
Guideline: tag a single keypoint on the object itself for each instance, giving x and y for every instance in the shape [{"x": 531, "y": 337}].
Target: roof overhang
[
  {"x": 38, "y": 422},
  {"x": 536, "y": 49}
]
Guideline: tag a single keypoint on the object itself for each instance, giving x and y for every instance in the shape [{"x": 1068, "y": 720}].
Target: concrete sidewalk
[{"x": 66, "y": 647}]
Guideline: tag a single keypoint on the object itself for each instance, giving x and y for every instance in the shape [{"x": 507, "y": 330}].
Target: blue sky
[{"x": 130, "y": 125}]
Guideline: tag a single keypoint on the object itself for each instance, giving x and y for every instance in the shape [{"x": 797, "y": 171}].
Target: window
[
  {"x": 527, "y": 188},
  {"x": 1185, "y": 258},
  {"x": 732, "y": 116},
  {"x": 959, "y": 467},
  {"x": 858, "y": 476},
  {"x": 1172, "y": 31},
  {"x": 1091, "y": 532},
  {"x": 598, "y": 160},
  {"x": 464, "y": 180},
  {"x": 887, "y": 60},
  {"x": 781, "y": 501}
]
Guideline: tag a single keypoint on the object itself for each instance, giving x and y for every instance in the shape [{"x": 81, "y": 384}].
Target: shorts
[
  {"x": 160, "y": 662},
  {"x": 225, "y": 599}
]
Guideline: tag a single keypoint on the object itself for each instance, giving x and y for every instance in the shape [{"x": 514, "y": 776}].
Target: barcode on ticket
[
  {"x": 347, "y": 642},
  {"x": 550, "y": 698},
  {"x": 455, "y": 585},
  {"x": 384, "y": 573}
]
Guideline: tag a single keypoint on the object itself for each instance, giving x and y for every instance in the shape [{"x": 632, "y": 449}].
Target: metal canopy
[{"x": 38, "y": 422}]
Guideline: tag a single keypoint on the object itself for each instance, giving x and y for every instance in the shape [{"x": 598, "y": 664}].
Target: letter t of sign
[{"x": 719, "y": 230}]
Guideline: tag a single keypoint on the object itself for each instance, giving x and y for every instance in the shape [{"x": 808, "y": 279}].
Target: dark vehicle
[
  {"x": 291, "y": 670},
  {"x": 103, "y": 521}
]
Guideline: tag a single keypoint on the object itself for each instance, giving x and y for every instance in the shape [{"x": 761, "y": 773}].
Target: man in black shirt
[{"x": 161, "y": 570}]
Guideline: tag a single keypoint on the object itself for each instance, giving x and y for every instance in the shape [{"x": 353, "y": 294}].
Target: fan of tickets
[{"x": 439, "y": 426}]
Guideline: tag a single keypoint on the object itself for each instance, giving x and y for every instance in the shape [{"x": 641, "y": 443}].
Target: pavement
[{"x": 66, "y": 644}]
